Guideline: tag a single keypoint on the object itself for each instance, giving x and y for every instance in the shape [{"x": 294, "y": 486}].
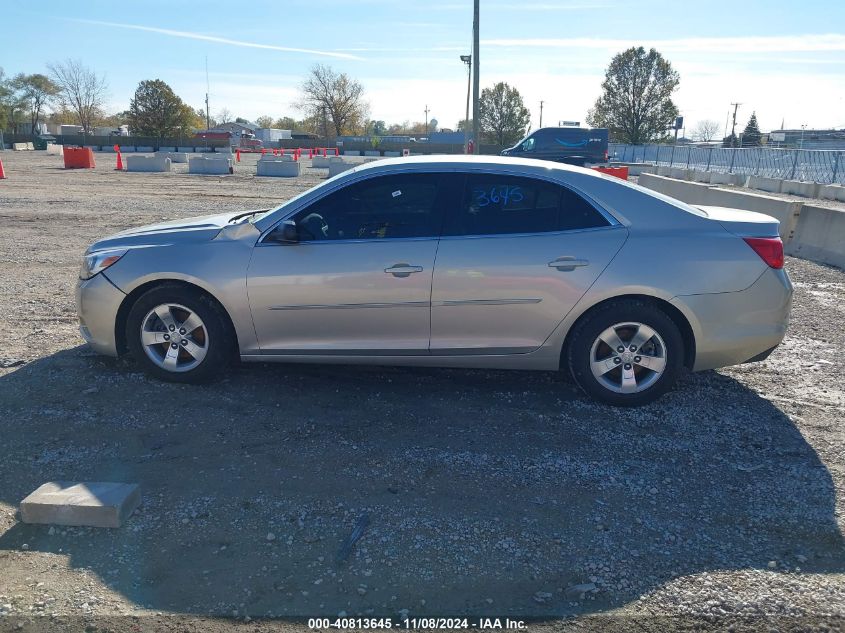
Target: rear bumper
[
  {"x": 737, "y": 327},
  {"x": 97, "y": 303}
]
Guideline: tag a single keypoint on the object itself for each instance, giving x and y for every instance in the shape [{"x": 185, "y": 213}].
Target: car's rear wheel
[
  {"x": 179, "y": 334},
  {"x": 626, "y": 353}
]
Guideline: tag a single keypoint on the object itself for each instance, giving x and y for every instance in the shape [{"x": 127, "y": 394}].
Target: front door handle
[
  {"x": 403, "y": 270},
  {"x": 568, "y": 263}
]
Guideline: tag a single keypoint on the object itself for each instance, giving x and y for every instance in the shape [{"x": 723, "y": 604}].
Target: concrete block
[
  {"x": 392, "y": 154},
  {"x": 166, "y": 149},
  {"x": 204, "y": 150},
  {"x": 829, "y": 192},
  {"x": 320, "y": 162},
  {"x": 93, "y": 504},
  {"x": 94, "y": 148},
  {"x": 109, "y": 149},
  {"x": 720, "y": 178},
  {"x": 209, "y": 165},
  {"x": 819, "y": 235},
  {"x": 188, "y": 150},
  {"x": 56, "y": 150},
  {"x": 699, "y": 175},
  {"x": 277, "y": 167},
  {"x": 30, "y": 146},
  {"x": 175, "y": 157},
  {"x": 663, "y": 170},
  {"x": 147, "y": 149},
  {"x": 772, "y": 185},
  {"x": 679, "y": 173},
  {"x": 634, "y": 169},
  {"x": 147, "y": 163},
  {"x": 804, "y": 189},
  {"x": 351, "y": 152},
  {"x": 127, "y": 149},
  {"x": 19, "y": 147},
  {"x": 338, "y": 167},
  {"x": 372, "y": 153}
]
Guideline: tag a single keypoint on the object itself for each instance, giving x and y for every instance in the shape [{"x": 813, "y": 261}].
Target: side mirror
[{"x": 285, "y": 233}]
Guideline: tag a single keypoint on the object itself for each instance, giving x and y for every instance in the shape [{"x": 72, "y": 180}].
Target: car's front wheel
[
  {"x": 626, "y": 353},
  {"x": 179, "y": 334}
]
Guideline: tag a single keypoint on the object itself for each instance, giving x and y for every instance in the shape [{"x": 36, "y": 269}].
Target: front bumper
[
  {"x": 97, "y": 303},
  {"x": 737, "y": 327}
]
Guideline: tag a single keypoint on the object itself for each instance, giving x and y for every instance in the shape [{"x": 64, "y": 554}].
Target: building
[
  {"x": 268, "y": 135},
  {"x": 807, "y": 139}
]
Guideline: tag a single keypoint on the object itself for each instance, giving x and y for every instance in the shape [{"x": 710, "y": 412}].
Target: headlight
[{"x": 98, "y": 262}]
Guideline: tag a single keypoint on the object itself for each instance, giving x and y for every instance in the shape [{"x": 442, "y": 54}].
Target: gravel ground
[{"x": 486, "y": 492}]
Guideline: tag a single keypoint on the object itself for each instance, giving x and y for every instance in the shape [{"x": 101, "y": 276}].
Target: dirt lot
[{"x": 487, "y": 493}]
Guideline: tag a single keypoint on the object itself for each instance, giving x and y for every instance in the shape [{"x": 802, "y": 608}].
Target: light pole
[
  {"x": 541, "y": 113},
  {"x": 476, "y": 141},
  {"x": 801, "y": 143},
  {"x": 467, "y": 59}
]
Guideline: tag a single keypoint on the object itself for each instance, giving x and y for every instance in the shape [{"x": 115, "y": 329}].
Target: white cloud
[{"x": 221, "y": 40}]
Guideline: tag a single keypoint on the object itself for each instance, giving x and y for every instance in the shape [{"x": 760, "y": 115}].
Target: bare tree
[
  {"x": 335, "y": 100},
  {"x": 706, "y": 130},
  {"x": 81, "y": 89},
  {"x": 225, "y": 116}
]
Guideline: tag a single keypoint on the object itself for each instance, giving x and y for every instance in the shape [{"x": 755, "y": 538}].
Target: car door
[
  {"x": 358, "y": 281},
  {"x": 513, "y": 261}
]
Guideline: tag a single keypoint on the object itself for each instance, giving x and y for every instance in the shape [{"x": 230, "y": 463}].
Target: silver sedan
[{"x": 449, "y": 261}]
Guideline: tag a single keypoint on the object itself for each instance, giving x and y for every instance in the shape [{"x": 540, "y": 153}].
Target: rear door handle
[
  {"x": 568, "y": 263},
  {"x": 403, "y": 270}
]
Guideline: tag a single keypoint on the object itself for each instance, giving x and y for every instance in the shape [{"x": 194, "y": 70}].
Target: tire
[
  {"x": 635, "y": 378},
  {"x": 202, "y": 352}
]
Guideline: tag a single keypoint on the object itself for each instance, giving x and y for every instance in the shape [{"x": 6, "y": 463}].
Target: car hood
[{"x": 196, "y": 229}]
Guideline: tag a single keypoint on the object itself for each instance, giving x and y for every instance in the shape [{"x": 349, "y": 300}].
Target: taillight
[
  {"x": 770, "y": 249},
  {"x": 605, "y": 155}
]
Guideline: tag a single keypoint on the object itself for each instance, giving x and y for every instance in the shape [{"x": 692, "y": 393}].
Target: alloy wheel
[
  {"x": 628, "y": 357},
  {"x": 174, "y": 337}
]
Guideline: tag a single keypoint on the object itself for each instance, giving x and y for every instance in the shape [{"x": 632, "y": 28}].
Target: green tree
[
  {"x": 265, "y": 120},
  {"x": 730, "y": 140},
  {"x": 636, "y": 101},
  {"x": 504, "y": 117},
  {"x": 37, "y": 91},
  {"x": 286, "y": 123},
  {"x": 751, "y": 135},
  {"x": 155, "y": 110}
]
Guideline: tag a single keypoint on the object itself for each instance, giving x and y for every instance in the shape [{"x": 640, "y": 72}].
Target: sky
[{"x": 783, "y": 60}]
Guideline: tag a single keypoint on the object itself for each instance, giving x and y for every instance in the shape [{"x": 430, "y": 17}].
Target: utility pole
[
  {"x": 733, "y": 126},
  {"x": 207, "y": 90},
  {"x": 426, "y": 120},
  {"x": 475, "y": 94},
  {"x": 541, "y": 113},
  {"x": 801, "y": 144}
]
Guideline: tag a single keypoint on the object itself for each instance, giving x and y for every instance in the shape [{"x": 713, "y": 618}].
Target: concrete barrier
[
  {"x": 19, "y": 147},
  {"x": 663, "y": 170},
  {"x": 204, "y": 150},
  {"x": 166, "y": 149},
  {"x": 338, "y": 167},
  {"x": 320, "y": 162},
  {"x": 819, "y": 235},
  {"x": 700, "y": 176},
  {"x": 372, "y": 153},
  {"x": 175, "y": 157},
  {"x": 351, "y": 152},
  {"x": 635, "y": 169},
  {"x": 30, "y": 146},
  {"x": 786, "y": 211},
  {"x": 185, "y": 150},
  {"x": 93, "y": 148},
  {"x": 209, "y": 165},
  {"x": 832, "y": 192},
  {"x": 680, "y": 173},
  {"x": 804, "y": 189},
  {"x": 147, "y": 149},
  {"x": 392, "y": 154},
  {"x": 772, "y": 185},
  {"x": 55, "y": 150},
  {"x": 147, "y": 163},
  {"x": 279, "y": 166},
  {"x": 719, "y": 178}
]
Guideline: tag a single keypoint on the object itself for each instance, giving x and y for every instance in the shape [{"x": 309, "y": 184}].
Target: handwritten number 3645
[{"x": 501, "y": 195}]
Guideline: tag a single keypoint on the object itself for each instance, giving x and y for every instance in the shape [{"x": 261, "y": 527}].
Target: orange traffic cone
[
  {"x": 2, "y": 173},
  {"x": 119, "y": 163},
  {"x": 238, "y": 155}
]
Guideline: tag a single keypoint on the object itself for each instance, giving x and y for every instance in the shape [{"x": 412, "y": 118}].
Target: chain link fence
[{"x": 822, "y": 166}]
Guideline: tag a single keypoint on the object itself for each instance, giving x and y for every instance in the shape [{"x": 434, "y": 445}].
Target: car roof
[{"x": 459, "y": 161}]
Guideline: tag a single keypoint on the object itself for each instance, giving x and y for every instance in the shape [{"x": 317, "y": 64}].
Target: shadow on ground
[{"x": 486, "y": 492}]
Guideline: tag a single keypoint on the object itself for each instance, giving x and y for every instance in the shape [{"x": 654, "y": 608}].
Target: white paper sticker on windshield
[{"x": 397, "y": 193}]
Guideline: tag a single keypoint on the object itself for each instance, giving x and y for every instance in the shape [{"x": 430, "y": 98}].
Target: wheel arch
[
  {"x": 130, "y": 299},
  {"x": 672, "y": 311}
]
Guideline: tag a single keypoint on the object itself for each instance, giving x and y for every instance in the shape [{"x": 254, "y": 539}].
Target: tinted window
[
  {"x": 379, "y": 208},
  {"x": 493, "y": 205}
]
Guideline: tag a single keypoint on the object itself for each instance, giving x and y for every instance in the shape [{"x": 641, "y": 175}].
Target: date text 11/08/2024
[{"x": 416, "y": 623}]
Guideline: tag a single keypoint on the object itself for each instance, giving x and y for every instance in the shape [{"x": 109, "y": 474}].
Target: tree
[
  {"x": 225, "y": 116},
  {"x": 242, "y": 121},
  {"x": 464, "y": 124},
  {"x": 37, "y": 90},
  {"x": 636, "y": 102},
  {"x": 155, "y": 110},
  {"x": 751, "y": 135},
  {"x": 11, "y": 105},
  {"x": 336, "y": 100},
  {"x": 706, "y": 130},
  {"x": 286, "y": 123},
  {"x": 503, "y": 115},
  {"x": 730, "y": 141},
  {"x": 81, "y": 89},
  {"x": 265, "y": 120}
]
